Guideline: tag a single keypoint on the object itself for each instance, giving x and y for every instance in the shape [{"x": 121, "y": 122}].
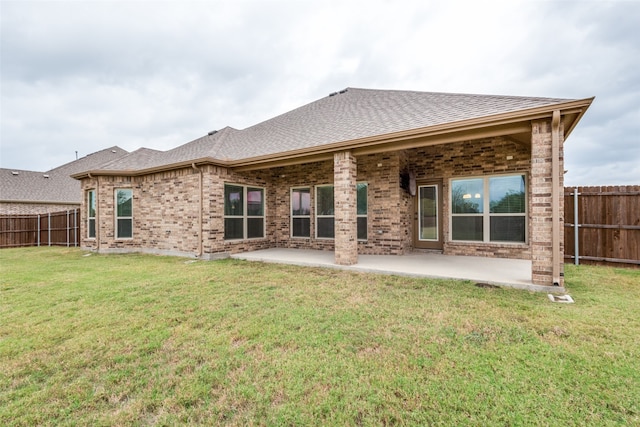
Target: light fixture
[
  {"x": 478, "y": 195},
  {"x": 466, "y": 196}
]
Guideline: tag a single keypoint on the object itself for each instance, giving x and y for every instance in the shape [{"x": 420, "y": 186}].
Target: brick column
[
  {"x": 541, "y": 204},
  {"x": 345, "y": 196}
]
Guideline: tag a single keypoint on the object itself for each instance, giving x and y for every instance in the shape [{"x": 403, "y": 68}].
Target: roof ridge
[
  {"x": 91, "y": 156},
  {"x": 483, "y": 95}
]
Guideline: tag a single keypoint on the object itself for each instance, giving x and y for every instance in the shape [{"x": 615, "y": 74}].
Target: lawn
[{"x": 90, "y": 339}]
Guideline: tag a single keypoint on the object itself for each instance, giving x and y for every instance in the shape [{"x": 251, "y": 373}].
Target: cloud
[{"x": 88, "y": 75}]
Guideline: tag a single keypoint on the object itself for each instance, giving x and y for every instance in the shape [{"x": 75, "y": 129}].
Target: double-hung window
[
  {"x": 124, "y": 213},
  {"x": 243, "y": 212},
  {"x": 489, "y": 209},
  {"x": 91, "y": 214},
  {"x": 300, "y": 212},
  {"x": 325, "y": 212}
]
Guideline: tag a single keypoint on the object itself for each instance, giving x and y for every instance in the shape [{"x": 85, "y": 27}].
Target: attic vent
[
  {"x": 113, "y": 151},
  {"x": 340, "y": 93},
  {"x": 15, "y": 173},
  {"x": 45, "y": 176},
  {"x": 213, "y": 132}
]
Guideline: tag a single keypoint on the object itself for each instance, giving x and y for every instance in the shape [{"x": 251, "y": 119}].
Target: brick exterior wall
[
  {"x": 215, "y": 178},
  {"x": 168, "y": 220},
  {"x": 387, "y": 232},
  {"x": 307, "y": 175},
  {"x": 13, "y": 208},
  {"x": 472, "y": 159},
  {"x": 165, "y": 213}
]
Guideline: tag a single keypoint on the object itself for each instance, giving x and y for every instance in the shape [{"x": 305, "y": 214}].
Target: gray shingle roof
[
  {"x": 360, "y": 113},
  {"x": 55, "y": 185},
  {"x": 349, "y": 115}
]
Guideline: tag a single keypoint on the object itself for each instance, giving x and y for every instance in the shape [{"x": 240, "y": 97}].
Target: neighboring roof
[
  {"x": 349, "y": 115},
  {"x": 54, "y": 186}
]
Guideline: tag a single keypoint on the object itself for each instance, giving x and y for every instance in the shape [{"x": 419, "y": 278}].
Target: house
[
  {"x": 25, "y": 192},
  {"x": 357, "y": 172}
]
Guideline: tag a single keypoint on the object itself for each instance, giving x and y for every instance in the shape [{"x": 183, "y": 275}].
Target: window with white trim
[
  {"x": 489, "y": 209},
  {"x": 124, "y": 213},
  {"x": 325, "y": 212},
  {"x": 91, "y": 214},
  {"x": 243, "y": 212},
  {"x": 301, "y": 212}
]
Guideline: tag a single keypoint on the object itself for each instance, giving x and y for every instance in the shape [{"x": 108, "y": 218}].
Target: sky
[{"x": 81, "y": 76}]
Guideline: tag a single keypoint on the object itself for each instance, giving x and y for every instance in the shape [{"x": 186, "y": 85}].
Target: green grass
[{"x": 145, "y": 340}]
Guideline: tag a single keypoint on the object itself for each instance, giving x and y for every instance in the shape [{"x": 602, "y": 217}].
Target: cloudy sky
[{"x": 86, "y": 75}]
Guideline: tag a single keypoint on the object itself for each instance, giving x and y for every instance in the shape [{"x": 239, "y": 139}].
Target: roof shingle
[
  {"x": 55, "y": 185},
  {"x": 349, "y": 115}
]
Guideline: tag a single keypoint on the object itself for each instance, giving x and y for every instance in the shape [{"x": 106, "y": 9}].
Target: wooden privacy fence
[
  {"x": 52, "y": 229},
  {"x": 602, "y": 225}
]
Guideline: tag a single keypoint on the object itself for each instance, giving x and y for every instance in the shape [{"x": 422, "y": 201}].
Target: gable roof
[
  {"x": 54, "y": 186},
  {"x": 348, "y": 118}
]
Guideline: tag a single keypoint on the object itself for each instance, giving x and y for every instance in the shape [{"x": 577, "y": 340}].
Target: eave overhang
[{"x": 512, "y": 123}]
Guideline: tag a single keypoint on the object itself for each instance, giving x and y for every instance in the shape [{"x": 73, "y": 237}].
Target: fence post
[
  {"x": 38, "y": 239},
  {"x": 576, "y": 233},
  {"x": 68, "y": 229},
  {"x": 76, "y": 228},
  {"x": 49, "y": 229}
]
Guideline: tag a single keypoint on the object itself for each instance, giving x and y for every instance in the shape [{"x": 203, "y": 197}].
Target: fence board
[
  {"x": 55, "y": 229},
  {"x": 609, "y": 225}
]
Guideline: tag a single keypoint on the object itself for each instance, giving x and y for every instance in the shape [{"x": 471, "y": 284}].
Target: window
[
  {"x": 91, "y": 214},
  {"x": 243, "y": 212},
  {"x": 325, "y": 213},
  {"x": 362, "y": 209},
  {"x": 507, "y": 209},
  {"x": 124, "y": 213},
  {"x": 489, "y": 209},
  {"x": 300, "y": 212}
]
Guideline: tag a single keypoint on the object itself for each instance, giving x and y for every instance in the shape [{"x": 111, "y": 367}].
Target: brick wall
[
  {"x": 12, "y": 208},
  {"x": 471, "y": 159},
  {"x": 167, "y": 215},
  {"x": 307, "y": 175},
  {"x": 387, "y": 231},
  {"x": 215, "y": 178}
]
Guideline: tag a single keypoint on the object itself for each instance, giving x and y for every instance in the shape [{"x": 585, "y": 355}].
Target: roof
[
  {"x": 54, "y": 186},
  {"x": 351, "y": 115}
]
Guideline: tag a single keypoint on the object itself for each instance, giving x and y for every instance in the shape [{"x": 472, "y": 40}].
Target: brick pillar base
[{"x": 345, "y": 197}]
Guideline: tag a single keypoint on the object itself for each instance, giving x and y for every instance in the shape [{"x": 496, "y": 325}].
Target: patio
[{"x": 513, "y": 273}]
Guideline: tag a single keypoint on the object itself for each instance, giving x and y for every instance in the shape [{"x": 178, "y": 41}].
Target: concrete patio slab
[{"x": 502, "y": 272}]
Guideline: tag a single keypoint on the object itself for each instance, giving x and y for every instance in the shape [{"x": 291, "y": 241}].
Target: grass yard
[{"x": 90, "y": 339}]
